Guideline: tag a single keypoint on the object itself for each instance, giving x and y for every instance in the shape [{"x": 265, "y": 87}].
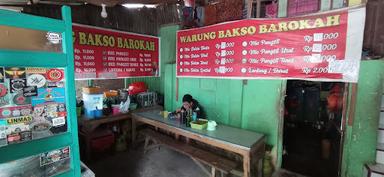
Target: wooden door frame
[{"x": 348, "y": 110}]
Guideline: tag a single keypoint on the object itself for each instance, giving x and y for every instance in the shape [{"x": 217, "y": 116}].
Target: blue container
[
  {"x": 98, "y": 113},
  {"x": 89, "y": 114}
]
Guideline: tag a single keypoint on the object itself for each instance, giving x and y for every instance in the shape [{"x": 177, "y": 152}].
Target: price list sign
[
  {"x": 323, "y": 47},
  {"x": 108, "y": 54}
]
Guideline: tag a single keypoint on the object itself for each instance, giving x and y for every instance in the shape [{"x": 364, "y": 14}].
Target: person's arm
[{"x": 179, "y": 109}]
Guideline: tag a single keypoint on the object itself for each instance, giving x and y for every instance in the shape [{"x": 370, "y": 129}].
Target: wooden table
[
  {"x": 250, "y": 145},
  {"x": 87, "y": 127}
]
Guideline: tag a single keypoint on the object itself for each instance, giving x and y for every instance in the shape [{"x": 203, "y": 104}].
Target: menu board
[
  {"x": 325, "y": 47},
  {"x": 110, "y": 54}
]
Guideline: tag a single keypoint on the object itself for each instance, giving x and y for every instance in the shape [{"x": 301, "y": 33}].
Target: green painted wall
[
  {"x": 361, "y": 137},
  {"x": 256, "y": 105},
  {"x": 153, "y": 83},
  {"x": 167, "y": 43},
  {"x": 253, "y": 104}
]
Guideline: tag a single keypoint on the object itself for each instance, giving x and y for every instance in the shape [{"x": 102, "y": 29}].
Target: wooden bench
[{"x": 223, "y": 165}]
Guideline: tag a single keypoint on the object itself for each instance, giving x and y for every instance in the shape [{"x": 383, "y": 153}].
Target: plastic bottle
[{"x": 194, "y": 116}]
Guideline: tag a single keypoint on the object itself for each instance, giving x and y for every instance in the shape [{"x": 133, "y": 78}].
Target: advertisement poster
[
  {"x": 29, "y": 108},
  {"x": 45, "y": 164},
  {"x": 324, "y": 47},
  {"x": 110, "y": 54}
]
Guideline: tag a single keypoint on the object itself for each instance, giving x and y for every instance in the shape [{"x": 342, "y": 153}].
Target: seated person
[{"x": 189, "y": 105}]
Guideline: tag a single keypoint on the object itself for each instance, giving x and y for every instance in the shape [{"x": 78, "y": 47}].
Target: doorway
[{"x": 312, "y": 128}]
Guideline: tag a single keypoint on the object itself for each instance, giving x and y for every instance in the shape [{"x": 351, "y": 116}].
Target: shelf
[
  {"x": 25, "y": 149},
  {"x": 63, "y": 59},
  {"x": 65, "y": 174}
]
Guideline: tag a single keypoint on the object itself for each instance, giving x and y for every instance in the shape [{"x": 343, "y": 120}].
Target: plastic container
[
  {"x": 147, "y": 99},
  {"x": 194, "y": 116},
  {"x": 91, "y": 90},
  {"x": 132, "y": 106},
  {"x": 98, "y": 113},
  {"x": 103, "y": 143},
  {"x": 93, "y": 101},
  {"x": 115, "y": 109},
  {"x": 137, "y": 87},
  {"x": 90, "y": 114},
  {"x": 199, "y": 124},
  {"x": 78, "y": 111}
]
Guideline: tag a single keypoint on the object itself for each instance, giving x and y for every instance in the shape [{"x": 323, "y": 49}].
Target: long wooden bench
[{"x": 223, "y": 165}]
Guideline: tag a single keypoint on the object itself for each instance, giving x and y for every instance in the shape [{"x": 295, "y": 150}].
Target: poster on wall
[
  {"x": 323, "y": 47},
  {"x": 109, "y": 54}
]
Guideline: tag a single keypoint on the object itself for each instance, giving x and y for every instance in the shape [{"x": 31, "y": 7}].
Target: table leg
[
  {"x": 177, "y": 136},
  {"x": 247, "y": 165},
  {"x": 213, "y": 172},
  {"x": 133, "y": 131},
  {"x": 188, "y": 141},
  {"x": 88, "y": 148}
]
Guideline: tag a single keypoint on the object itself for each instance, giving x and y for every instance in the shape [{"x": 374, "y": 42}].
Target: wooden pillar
[
  {"x": 283, "y": 8},
  {"x": 213, "y": 172},
  {"x": 249, "y": 8},
  {"x": 247, "y": 165},
  {"x": 258, "y": 7}
]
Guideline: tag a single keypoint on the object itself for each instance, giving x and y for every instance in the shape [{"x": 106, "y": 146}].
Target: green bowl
[{"x": 199, "y": 124}]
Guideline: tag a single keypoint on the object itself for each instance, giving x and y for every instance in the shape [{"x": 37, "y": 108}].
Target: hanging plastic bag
[{"x": 124, "y": 106}]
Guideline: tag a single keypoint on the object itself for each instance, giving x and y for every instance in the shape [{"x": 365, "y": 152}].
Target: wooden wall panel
[
  {"x": 229, "y": 10},
  {"x": 374, "y": 27}
]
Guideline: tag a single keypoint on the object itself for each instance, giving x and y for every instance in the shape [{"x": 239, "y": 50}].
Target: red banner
[
  {"x": 109, "y": 54},
  {"x": 324, "y": 46}
]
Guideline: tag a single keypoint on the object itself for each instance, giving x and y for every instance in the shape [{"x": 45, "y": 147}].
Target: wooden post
[
  {"x": 247, "y": 165},
  {"x": 213, "y": 172},
  {"x": 133, "y": 131},
  {"x": 258, "y": 7},
  {"x": 249, "y": 8}
]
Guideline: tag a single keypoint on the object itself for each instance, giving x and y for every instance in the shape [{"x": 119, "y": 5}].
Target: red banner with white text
[
  {"x": 110, "y": 54},
  {"x": 324, "y": 47}
]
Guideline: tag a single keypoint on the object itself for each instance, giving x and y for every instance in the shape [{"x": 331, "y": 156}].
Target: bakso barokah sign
[
  {"x": 108, "y": 54},
  {"x": 324, "y": 47}
]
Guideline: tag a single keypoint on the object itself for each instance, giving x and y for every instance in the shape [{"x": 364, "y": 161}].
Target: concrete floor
[
  {"x": 155, "y": 163},
  {"x": 134, "y": 163}
]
